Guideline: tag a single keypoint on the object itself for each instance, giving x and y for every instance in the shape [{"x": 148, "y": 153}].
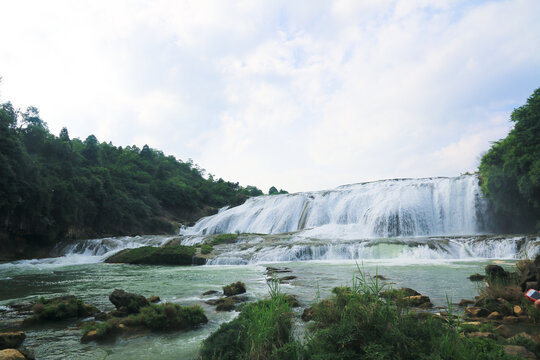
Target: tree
[
  {"x": 510, "y": 170},
  {"x": 273, "y": 191}
]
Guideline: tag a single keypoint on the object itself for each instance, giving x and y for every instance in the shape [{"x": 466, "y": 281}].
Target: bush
[
  {"x": 167, "y": 316},
  {"x": 206, "y": 249},
  {"x": 261, "y": 331},
  {"x": 224, "y": 239},
  {"x": 61, "y": 308}
]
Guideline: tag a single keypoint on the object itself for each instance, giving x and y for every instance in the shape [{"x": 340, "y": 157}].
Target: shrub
[
  {"x": 224, "y": 239},
  {"x": 168, "y": 316},
  {"x": 61, "y": 308},
  {"x": 206, "y": 249}
]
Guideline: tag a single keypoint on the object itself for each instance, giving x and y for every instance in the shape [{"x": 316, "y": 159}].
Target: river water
[{"x": 81, "y": 272}]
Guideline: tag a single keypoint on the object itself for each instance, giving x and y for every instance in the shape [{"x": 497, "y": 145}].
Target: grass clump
[
  {"x": 224, "y": 239},
  {"x": 149, "y": 255},
  {"x": 167, "y": 316},
  {"x": 61, "y": 308},
  {"x": 206, "y": 249},
  {"x": 263, "y": 330}
]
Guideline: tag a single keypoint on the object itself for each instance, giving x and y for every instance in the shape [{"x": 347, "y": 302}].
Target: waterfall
[{"x": 386, "y": 208}]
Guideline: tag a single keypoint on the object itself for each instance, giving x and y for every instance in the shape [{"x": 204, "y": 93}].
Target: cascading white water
[{"x": 387, "y": 208}]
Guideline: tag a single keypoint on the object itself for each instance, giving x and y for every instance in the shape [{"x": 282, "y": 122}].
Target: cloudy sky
[{"x": 303, "y": 95}]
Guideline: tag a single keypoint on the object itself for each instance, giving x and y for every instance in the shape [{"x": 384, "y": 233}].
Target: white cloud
[{"x": 300, "y": 95}]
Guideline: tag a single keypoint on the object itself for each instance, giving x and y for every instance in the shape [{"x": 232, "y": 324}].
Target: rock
[
  {"x": 495, "y": 272},
  {"x": 418, "y": 300},
  {"x": 409, "y": 292},
  {"x": 307, "y": 315},
  {"x": 286, "y": 279},
  {"x": 476, "y": 311},
  {"x": 472, "y": 323},
  {"x": 465, "y": 302},
  {"x": 101, "y": 316},
  {"x": 510, "y": 319},
  {"x": 273, "y": 270},
  {"x": 11, "y": 339},
  {"x": 11, "y": 354},
  {"x": 504, "y": 331},
  {"x": 524, "y": 335},
  {"x": 519, "y": 351},
  {"x": 226, "y": 304},
  {"x": 234, "y": 289},
  {"x": 153, "y": 299},
  {"x": 518, "y": 310},
  {"x": 476, "y": 277},
  {"x": 380, "y": 277},
  {"x": 494, "y": 316},
  {"x": 210, "y": 292},
  {"x": 132, "y": 302},
  {"x": 92, "y": 335},
  {"x": 293, "y": 302},
  {"x": 150, "y": 255},
  {"x": 481, "y": 334}
]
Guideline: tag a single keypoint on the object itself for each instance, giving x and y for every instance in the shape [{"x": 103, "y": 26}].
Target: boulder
[
  {"x": 476, "y": 277},
  {"x": 495, "y": 272},
  {"x": 11, "y": 354},
  {"x": 286, "y": 279},
  {"x": 419, "y": 300},
  {"x": 210, "y": 292},
  {"x": 11, "y": 339},
  {"x": 307, "y": 315},
  {"x": 476, "y": 311},
  {"x": 504, "y": 331},
  {"x": 234, "y": 289},
  {"x": 131, "y": 302},
  {"x": 153, "y": 299},
  {"x": 494, "y": 316},
  {"x": 226, "y": 304},
  {"x": 409, "y": 292},
  {"x": 465, "y": 302},
  {"x": 519, "y": 351},
  {"x": 481, "y": 334}
]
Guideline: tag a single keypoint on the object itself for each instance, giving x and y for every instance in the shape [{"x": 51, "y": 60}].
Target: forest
[
  {"x": 510, "y": 171},
  {"x": 55, "y": 187}
]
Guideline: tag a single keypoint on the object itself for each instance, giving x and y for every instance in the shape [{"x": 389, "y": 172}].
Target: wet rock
[
  {"x": 307, "y": 315},
  {"x": 234, "y": 289},
  {"x": 210, "y": 292},
  {"x": 131, "y": 302},
  {"x": 510, "y": 319},
  {"x": 409, "y": 292},
  {"x": 519, "y": 351},
  {"x": 477, "y": 311},
  {"x": 91, "y": 335},
  {"x": 504, "y": 331},
  {"x": 153, "y": 299},
  {"x": 273, "y": 270},
  {"x": 292, "y": 300},
  {"x": 476, "y": 277},
  {"x": 286, "y": 279},
  {"x": 380, "y": 277},
  {"x": 11, "y": 354},
  {"x": 101, "y": 316},
  {"x": 418, "y": 300},
  {"x": 495, "y": 272},
  {"x": 225, "y": 304},
  {"x": 465, "y": 302},
  {"x": 480, "y": 334},
  {"x": 11, "y": 339}
]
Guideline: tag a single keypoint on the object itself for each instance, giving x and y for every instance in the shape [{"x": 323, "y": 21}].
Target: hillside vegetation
[
  {"x": 510, "y": 171},
  {"x": 54, "y": 187}
]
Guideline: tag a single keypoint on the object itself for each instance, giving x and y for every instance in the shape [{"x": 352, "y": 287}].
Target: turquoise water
[{"x": 25, "y": 281}]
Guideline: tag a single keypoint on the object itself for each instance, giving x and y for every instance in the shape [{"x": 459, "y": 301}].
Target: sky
[{"x": 302, "y": 95}]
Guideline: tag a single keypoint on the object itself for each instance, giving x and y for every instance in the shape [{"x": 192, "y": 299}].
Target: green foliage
[
  {"x": 54, "y": 186},
  {"x": 167, "y": 316},
  {"x": 224, "y": 239},
  {"x": 510, "y": 170},
  {"x": 167, "y": 255},
  {"x": 274, "y": 191},
  {"x": 61, "y": 308},
  {"x": 261, "y": 331},
  {"x": 206, "y": 249}
]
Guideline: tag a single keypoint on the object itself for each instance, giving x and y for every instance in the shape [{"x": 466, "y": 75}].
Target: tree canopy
[
  {"x": 510, "y": 170},
  {"x": 55, "y": 187}
]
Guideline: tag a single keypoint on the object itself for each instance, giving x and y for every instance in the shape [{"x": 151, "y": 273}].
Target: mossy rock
[
  {"x": 60, "y": 308},
  {"x": 224, "y": 239},
  {"x": 148, "y": 255}
]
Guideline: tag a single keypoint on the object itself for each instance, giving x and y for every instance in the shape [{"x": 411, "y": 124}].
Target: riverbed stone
[
  {"x": 11, "y": 339},
  {"x": 465, "y": 302},
  {"x": 481, "y": 334},
  {"x": 494, "y": 316},
  {"x": 477, "y": 277},
  {"x": 11, "y": 354},
  {"x": 519, "y": 351},
  {"x": 131, "y": 302},
  {"x": 210, "y": 292},
  {"x": 286, "y": 279},
  {"x": 476, "y": 311},
  {"x": 234, "y": 289}
]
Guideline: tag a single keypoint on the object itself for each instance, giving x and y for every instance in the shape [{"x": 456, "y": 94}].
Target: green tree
[{"x": 510, "y": 170}]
